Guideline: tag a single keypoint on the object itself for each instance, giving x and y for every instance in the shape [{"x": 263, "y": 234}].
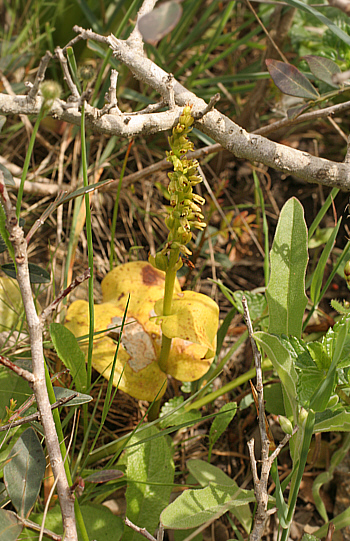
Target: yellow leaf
[
  {"x": 137, "y": 355},
  {"x": 195, "y": 318},
  {"x": 144, "y": 283},
  {"x": 188, "y": 361},
  {"x": 193, "y": 325}
]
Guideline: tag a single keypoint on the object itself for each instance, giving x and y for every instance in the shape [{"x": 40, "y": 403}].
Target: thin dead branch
[
  {"x": 16, "y": 236},
  {"x": 261, "y": 484}
]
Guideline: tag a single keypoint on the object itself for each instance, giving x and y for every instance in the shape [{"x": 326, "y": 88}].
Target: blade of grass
[
  {"x": 328, "y": 282},
  {"x": 116, "y": 205},
  {"x": 27, "y": 160},
  {"x": 260, "y": 201},
  {"x": 331, "y": 197},
  {"x": 57, "y": 420},
  {"x": 108, "y": 401},
  {"x": 224, "y": 17}
]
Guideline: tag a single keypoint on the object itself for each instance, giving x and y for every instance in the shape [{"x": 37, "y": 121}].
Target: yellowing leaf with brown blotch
[
  {"x": 195, "y": 318},
  {"x": 144, "y": 283},
  {"x": 136, "y": 371}
]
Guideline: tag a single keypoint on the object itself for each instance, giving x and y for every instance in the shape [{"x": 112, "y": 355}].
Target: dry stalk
[
  {"x": 37, "y": 379},
  {"x": 261, "y": 485}
]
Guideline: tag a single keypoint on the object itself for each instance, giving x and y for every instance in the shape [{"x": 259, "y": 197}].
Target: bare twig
[
  {"x": 25, "y": 374},
  {"x": 16, "y": 236},
  {"x": 232, "y": 137},
  {"x": 135, "y": 39},
  {"x": 213, "y": 101},
  {"x": 78, "y": 280},
  {"x": 40, "y": 75},
  {"x": 36, "y": 416},
  {"x": 36, "y": 527},
  {"x": 141, "y": 531},
  {"x": 260, "y": 485},
  {"x": 66, "y": 74},
  {"x": 111, "y": 97}
]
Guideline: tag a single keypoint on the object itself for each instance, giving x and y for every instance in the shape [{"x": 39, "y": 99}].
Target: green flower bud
[
  {"x": 347, "y": 272},
  {"x": 333, "y": 401},
  {"x": 302, "y": 418},
  {"x": 178, "y": 264},
  {"x": 86, "y": 72},
  {"x": 199, "y": 225},
  {"x": 169, "y": 222},
  {"x": 161, "y": 262},
  {"x": 198, "y": 199},
  {"x": 50, "y": 90},
  {"x": 286, "y": 425}
]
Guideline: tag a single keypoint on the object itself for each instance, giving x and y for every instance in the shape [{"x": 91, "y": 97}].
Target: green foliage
[
  {"x": 286, "y": 290},
  {"x": 24, "y": 472},
  {"x": 150, "y": 474},
  {"x": 196, "y": 507},
  {"x": 99, "y": 521},
  {"x": 69, "y": 352}
]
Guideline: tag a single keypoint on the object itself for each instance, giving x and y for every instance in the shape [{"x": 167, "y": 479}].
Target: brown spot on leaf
[{"x": 150, "y": 276}]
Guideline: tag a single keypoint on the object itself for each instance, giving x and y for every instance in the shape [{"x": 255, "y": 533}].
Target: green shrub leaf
[
  {"x": 24, "y": 472},
  {"x": 150, "y": 473},
  {"x": 286, "y": 290},
  {"x": 69, "y": 352}
]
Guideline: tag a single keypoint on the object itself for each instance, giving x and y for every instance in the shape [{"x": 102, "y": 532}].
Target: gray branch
[
  {"x": 16, "y": 236},
  {"x": 252, "y": 147}
]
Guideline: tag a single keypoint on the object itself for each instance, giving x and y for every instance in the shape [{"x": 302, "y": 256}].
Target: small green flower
[{"x": 185, "y": 212}]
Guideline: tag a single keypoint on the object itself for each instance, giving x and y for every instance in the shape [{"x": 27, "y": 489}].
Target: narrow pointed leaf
[
  {"x": 8, "y": 178},
  {"x": 61, "y": 392},
  {"x": 283, "y": 364},
  {"x": 24, "y": 473},
  {"x": 317, "y": 278},
  {"x": 221, "y": 421},
  {"x": 323, "y": 68},
  {"x": 103, "y": 476},
  {"x": 290, "y": 80}
]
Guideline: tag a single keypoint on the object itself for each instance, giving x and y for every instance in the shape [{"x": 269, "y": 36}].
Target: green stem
[
  {"x": 266, "y": 365},
  {"x": 116, "y": 206},
  {"x": 170, "y": 277},
  {"x": 27, "y": 160},
  {"x": 153, "y": 412},
  {"x": 57, "y": 420},
  {"x": 90, "y": 252},
  {"x": 296, "y": 480}
]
